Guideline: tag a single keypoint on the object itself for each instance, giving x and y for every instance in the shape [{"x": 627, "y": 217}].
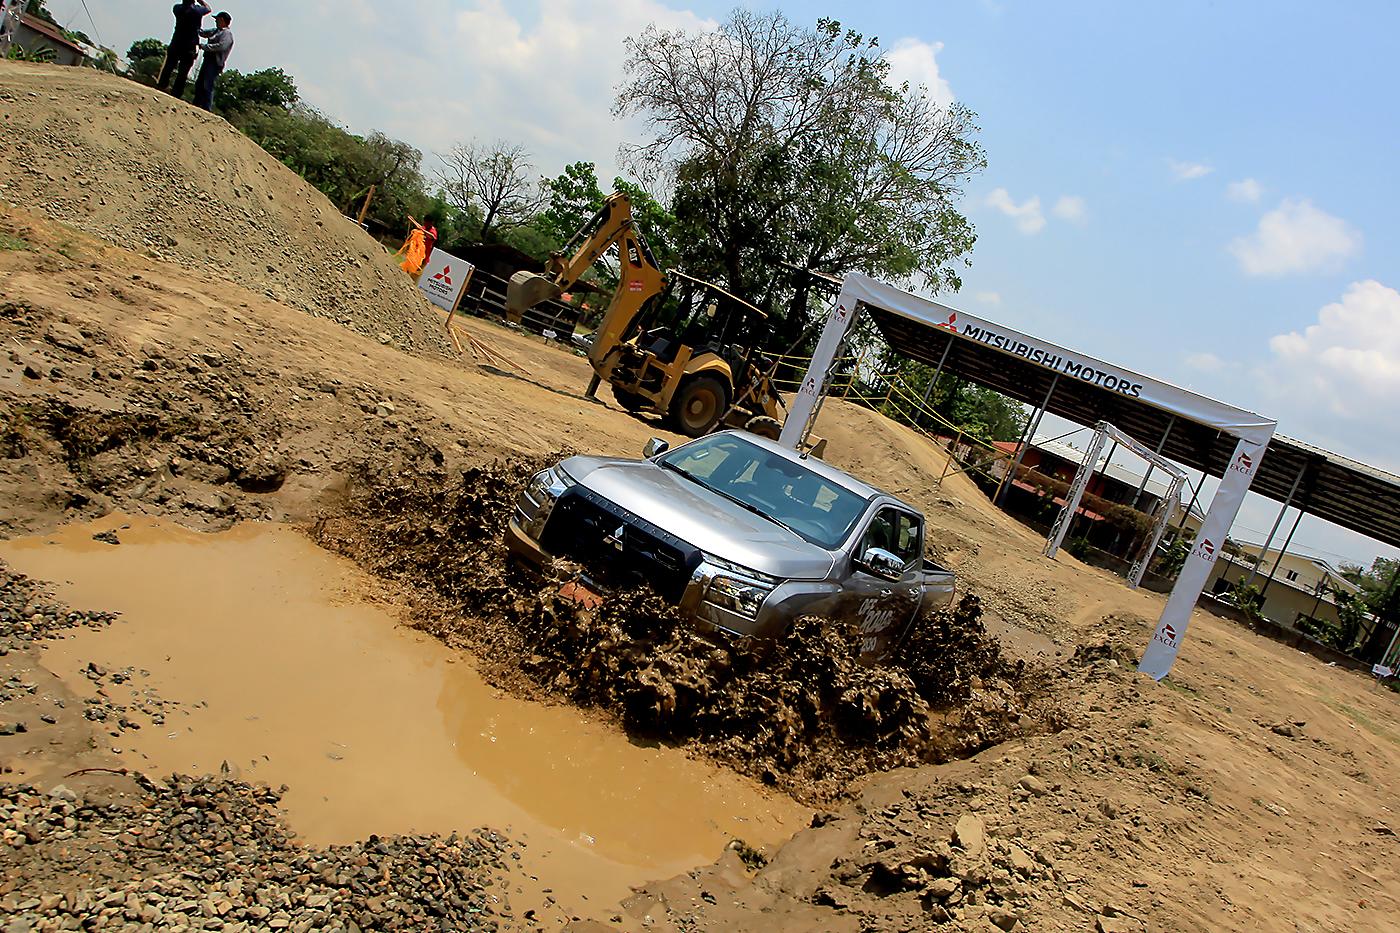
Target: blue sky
[{"x": 1174, "y": 187}]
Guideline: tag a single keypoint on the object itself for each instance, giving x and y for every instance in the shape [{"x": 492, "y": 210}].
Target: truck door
[{"x": 886, "y": 593}]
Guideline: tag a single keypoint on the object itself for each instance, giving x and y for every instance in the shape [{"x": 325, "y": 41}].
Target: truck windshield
[{"x": 772, "y": 485}]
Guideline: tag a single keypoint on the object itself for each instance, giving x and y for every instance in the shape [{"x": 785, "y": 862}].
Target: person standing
[
  {"x": 184, "y": 44},
  {"x": 218, "y": 43}
]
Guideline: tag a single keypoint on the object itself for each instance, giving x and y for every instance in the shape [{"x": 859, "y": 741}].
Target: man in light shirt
[{"x": 218, "y": 42}]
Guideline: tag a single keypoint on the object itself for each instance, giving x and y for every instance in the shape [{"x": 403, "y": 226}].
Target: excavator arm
[{"x": 639, "y": 278}]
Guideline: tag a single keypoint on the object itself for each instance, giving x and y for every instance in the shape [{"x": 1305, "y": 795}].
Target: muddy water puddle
[{"x": 286, "y": 671}]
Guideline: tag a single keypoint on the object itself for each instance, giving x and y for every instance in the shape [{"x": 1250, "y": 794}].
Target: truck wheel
[
  {"x": 629, "y": 400},
  {"x": 698, "y": 405},
  {"x": 764, "y": 426}
]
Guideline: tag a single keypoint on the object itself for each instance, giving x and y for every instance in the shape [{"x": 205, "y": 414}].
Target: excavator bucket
[{"x": 525, "y": 290}]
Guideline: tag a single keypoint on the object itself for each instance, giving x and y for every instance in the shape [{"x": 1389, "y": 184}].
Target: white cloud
[
  {"x": 1293, "y": 238},
  {"x": 916, "y": 61},
  {"x": 1071, "y": 207},
  {"x": 1246, "y": 191},
  {"x": 1205, "y": 362},
  {"x": 540, "y": 74},
  {"x": 989, "y": 298},
  {"x": 1337, "y": 381},
  {"x": 1027, "y": 214},
  {"x": 1349, "y": 359},
  {"x": 1189, "y": 171}
]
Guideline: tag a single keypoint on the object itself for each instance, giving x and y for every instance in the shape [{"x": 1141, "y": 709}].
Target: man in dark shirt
[
  {"x": 218, "y": 42},
  {"x": 179, "y": 58}
]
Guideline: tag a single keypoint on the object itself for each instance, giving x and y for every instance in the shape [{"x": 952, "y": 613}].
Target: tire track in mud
[{"x": 800, "y": 713}]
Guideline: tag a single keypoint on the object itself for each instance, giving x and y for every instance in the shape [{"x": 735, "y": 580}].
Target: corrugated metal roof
[{"x": 1354, "y": 495}]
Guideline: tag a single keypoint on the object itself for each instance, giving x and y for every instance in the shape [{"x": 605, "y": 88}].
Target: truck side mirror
[
  {"x": 879, "y": 562},
  {"x": 654, "y": 447}
]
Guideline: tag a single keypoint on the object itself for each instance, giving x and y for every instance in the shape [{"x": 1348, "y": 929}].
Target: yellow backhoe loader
[{"x": 668, "y": 342}]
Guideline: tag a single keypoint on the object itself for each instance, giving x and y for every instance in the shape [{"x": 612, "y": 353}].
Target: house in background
[
  {"x": 1112, "y": 482},
  {"x": 1303, "y": 587},
  {"x": 34, "y": 34}
]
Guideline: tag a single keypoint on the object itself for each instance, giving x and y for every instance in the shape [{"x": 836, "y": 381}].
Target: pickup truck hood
[{"x": 705, "y": 519}]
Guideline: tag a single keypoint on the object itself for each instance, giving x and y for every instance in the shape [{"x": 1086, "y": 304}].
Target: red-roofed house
[{"x": 32, "y": 34}]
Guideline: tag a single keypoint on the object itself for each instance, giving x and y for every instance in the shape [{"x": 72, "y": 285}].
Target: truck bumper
[{"x": 523, "y": 547}]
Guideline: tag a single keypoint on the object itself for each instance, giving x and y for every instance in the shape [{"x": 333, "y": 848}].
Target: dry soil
[{"x": 1252, "y": 790}]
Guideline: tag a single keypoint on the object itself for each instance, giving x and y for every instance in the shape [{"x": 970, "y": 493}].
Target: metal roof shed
[{"x": 1192, "y": 428}]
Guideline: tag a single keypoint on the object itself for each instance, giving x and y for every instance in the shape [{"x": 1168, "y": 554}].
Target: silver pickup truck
[{"x": 743, "y": 534}]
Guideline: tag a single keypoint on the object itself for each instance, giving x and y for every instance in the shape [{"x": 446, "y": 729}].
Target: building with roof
[
  {"x": 1057, "y": 462},
  {"x": 1303, "y": 587},
  {"x": 33, "y": 34}
]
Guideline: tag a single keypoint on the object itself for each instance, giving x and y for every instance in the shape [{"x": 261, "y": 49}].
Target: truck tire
[
  {"x": 764, "y": 426},
  {"x": 629, "y": 400},
  {"x": 698, "y": 405}
]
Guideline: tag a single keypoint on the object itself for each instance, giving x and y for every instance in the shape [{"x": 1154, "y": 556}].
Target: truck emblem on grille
[{"x": 615, "y": 539}]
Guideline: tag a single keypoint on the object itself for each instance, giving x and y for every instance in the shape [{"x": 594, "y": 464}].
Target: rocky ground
[
  {"x": 1252, "y": 790},
  {"x": 213, "y": 854}
]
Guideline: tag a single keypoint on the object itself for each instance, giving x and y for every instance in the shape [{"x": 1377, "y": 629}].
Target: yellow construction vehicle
[{"x": 668, "y": 342}]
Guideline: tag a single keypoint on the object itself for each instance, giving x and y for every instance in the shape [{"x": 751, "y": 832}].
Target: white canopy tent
[{"x": 1251, "y": 431}]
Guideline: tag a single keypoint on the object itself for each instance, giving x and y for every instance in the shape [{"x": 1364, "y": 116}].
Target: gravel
[
  {"x": 213, "y": 854},
  {"x": 28, "y": 615}
]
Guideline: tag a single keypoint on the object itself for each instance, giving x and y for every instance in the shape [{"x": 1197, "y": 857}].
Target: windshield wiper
[
  {"x": 756, "y": 510},
  {"x": 682, "y": 471},
  {"x": 732, "y": 498}
]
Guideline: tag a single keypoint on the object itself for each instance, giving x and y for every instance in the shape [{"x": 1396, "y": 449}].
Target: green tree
[
  {"x": 657, "y": 223},
  {"x": 983, "y": 413},
  {"x": 142, "y": 49},
  {"x": 1380, "y": 598},
  {"x": 788, "y": 145},
  {"x": 36, "y": 9},
  {"x": 271, "y": 87},
  {"x": 574, "y": 197},
  {"x": 106, "y": 60},
  {"x": 144, "y": 60}
]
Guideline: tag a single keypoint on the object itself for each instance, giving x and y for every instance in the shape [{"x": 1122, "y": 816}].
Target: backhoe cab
[{"x": 668, "y": 342}]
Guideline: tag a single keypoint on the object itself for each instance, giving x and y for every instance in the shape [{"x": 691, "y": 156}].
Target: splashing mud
[{"x": 799, "y": 712}]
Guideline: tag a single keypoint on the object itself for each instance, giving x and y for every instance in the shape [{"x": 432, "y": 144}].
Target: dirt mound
[
  {"x": 150, "y": 173},
  {"x": 196, "y": 850},
  {"x": 800, "y": 712}
]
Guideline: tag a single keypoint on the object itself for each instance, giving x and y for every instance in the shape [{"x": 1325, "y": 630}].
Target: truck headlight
[
  {"x": 741, "y": 597},
  {"x": 534, "y": 506},
  {"x": 548, "y": 485}
]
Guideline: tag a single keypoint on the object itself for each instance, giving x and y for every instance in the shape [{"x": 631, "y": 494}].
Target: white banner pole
[
  {"x": 1166, "y": 507},
  {"x": 1166, "y": 641},
  {"x": 804, "y": 403},
  {"x": 1076, "y": 490}
]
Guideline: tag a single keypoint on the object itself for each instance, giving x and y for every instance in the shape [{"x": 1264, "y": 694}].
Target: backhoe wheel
[
  {"x": 698, "y": 405},
  {"x": 629, "y": 400},
  {"x": 764, "y": 426}
]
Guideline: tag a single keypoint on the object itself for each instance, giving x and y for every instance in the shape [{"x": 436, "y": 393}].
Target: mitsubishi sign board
[{"x": 443, "y": 278}]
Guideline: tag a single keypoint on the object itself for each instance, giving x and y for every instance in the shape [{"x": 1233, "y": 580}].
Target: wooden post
[
  {"x": 952, "y": 450},
  {"x": 451, "y": 332},
  {"x": 364, "y": 208}
]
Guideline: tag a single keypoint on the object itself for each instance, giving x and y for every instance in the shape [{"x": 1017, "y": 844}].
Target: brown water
[{"x": 292, "y": 676}]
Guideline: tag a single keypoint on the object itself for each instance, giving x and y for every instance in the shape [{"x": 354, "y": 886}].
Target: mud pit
[
  {"x": 798, "y": 712},
  {"x": 272, "y": 660}
]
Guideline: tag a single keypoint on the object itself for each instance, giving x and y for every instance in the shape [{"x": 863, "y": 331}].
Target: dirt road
[{"x": 1253, "y": 790}]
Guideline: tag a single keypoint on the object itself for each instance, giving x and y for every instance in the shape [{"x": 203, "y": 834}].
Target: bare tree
[{"x": 498, "y": 181}]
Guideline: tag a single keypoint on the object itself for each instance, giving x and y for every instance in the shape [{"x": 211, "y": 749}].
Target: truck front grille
[{"x": 617, "y": 546}]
